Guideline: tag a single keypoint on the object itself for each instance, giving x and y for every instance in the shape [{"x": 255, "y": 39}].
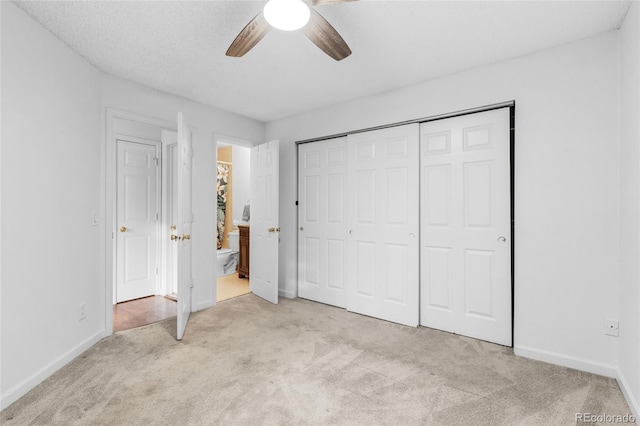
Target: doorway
[
  {"x": 233, "y": 176},
  {"x": 139, "y": 238},
  {"x": 140, "y": 190}
]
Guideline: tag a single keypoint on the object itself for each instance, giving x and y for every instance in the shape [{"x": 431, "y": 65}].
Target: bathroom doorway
[{"x": 233, "y": 174}]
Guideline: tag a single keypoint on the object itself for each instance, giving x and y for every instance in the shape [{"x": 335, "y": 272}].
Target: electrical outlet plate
[{"x": 611, "y": 327}]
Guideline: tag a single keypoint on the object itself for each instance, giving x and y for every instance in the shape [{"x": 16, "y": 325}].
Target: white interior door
[
  {"x": 264, "y": 230},
  {"x": 322, "y": 221},
  {"x": 184, "y": 218},
  {"x": 466, "y": 226},
  {"x": 383, "y": 246},
  {"x": 137, "y": 220}
]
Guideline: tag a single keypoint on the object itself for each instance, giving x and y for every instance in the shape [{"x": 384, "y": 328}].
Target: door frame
[
  {"x": 512, "y": 176},
  {"x": 110, "y": 197}
]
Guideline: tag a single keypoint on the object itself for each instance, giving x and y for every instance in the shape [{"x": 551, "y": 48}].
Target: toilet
[
  {"x": 234, "y": 240},
  {"x": 227, "y": 258}
]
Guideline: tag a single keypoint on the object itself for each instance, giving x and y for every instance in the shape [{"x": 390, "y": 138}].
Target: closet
[{"x": 412, "y": 224}]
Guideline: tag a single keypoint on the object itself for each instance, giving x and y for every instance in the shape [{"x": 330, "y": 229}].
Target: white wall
[
  {"x": 204, "y": 121},
  {"x": 51, "y": 251},
  {"x": 241, "y": 180},
  {"x": 567, "y": 186},
  {"x": 53, "y": 157},
  {"x": 629, "y": 363}
]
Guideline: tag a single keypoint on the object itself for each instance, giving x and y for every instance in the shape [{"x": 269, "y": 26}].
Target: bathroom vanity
[{"x": 243, "y": 261}]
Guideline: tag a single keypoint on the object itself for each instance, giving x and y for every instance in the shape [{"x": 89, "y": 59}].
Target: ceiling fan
[{"x": 277, "y": 14}]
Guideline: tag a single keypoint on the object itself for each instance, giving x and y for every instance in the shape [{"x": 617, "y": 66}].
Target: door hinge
[
  {"x": 156, "y": 270},
  {"x": 157, "y": 217},
  {"x": 157, "y": 160}
]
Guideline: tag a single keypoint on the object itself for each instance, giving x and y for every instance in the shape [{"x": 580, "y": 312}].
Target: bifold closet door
[
  {"x": 322, "y": 229},
  {"x": 383, "y": 208},
  {"x": 466, "y": 225}
]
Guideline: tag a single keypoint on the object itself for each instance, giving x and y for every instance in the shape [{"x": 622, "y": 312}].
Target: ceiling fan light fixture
[{"x": 286, "y": 15}]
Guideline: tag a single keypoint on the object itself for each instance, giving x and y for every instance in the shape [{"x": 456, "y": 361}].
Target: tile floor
[
  {"x": 231, "y": 286},
  {"x": 139, "y": 312}
]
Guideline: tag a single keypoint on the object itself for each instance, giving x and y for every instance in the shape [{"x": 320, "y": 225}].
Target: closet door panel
[
  {"x": 466, "y": 225},
  {"x": 383, "y": 207},
  {"x": 322, "y": 227}
]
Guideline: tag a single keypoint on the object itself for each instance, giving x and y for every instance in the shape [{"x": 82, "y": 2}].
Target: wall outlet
[
  {"x": 82, "y": 313},
  {"x": 611, "y": 327}
]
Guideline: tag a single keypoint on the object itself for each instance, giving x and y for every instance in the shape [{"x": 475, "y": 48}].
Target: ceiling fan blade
[
  {"x": 321, "y": 2},
  {"x": 323, "y": 35},
  {"x": 255, "y": 31}
]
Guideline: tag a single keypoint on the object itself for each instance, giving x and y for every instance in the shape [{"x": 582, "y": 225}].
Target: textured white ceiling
[{"x": 179, "y": 46}]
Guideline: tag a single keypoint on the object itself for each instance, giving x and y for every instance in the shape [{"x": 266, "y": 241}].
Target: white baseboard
[
  {"x": 18, "y": 391},
  {"x": 204, "y": 305},
  {"x": 632, "y": 400},
  {"x": 287, "y": 294},
  {"x": 602, "y": 369}
]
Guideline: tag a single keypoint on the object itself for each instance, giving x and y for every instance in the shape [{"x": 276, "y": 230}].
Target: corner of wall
[
  {"x": 632, "y": 400},
  {"x": 628, "y": 372}
]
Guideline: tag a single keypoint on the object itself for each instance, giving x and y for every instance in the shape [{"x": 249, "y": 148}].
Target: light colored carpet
[
  {"x": 248, "y": 362},
  {"x": 230, "y": 286}
]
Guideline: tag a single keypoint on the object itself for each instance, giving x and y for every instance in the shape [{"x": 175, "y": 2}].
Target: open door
[
  {"x": 264, "y": 231},
  {"x": 182, "y": 237}
]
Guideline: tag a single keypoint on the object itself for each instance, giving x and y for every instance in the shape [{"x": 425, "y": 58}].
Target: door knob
[
  {"x": 173, "y": 227},
  {"x": 174, "y": 237},
  {"x": 301, "y": 228},
  {"x": 502, "y": 239},
  {"x": 271, "y": 229},
  {"x": 123, "y": 229},
  {"x": 186, "y": 236}
]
